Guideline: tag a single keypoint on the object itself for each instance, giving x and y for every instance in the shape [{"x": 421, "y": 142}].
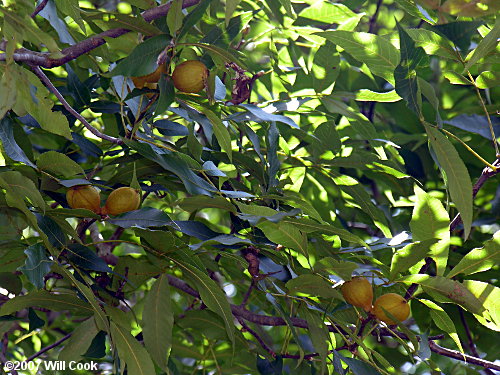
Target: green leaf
[
  {"x": 11, "y": 282},
  {"x": 285, "y": 234},
  {"x": 159, "y": 239},
  {"x": 63, "y": 300},
  {"x": 451, "y": 289},
  {"x": 167, "y": 94},
  {"x": 365, "y": 95},
  {"x": 489, "y": 296},
  {"x": 22, "y": 187},
  {"x": 485, "y": 46},
  {"x": 327, "y": 12},
  {"x": 199, "y": 202},
  {"x": 417, "y": 11},
  {"x": 83, "y": 257},
  {"x": 432, "y": 43},
  {"x": 358, "y": 367},
  {"x": 443, "y": 321},
  {"x": 361, "y": 199},
  {"x": 133, "y": 354},
  {"x": 10, "y": 146},
  {"x": 480, "y": 259},
  {"x": 175, "y": 164},
  {"x": 72, "y": 8},
  {"x": 193, "y": 17},
  {"x": 338, "y": 267},
  {"x": 430, "y": 220},
  {"x": 220, "y": 131},
  {"x": 458, "y": 180},
  {"x": 319, "y": 334},
  {"x": 231, "y": 6},
  {"x": 312, "y": 284},
  {"x": 118, "y": 20},
  {"x": 308, "y": 226},
  {"x": 287, "y": 4},
  {"x": 459, "y": 32},
  {"x": 9, "y": 93},
  {"x": 37, "y": 265},
  {"x": 142, "y": 60},
  {"x": 34, "y": 320},
  {"x": 376, "y": 52},
  {"x": 158, "y": 320},
  {"x": 59, "y": 164},
  {"x": 28, "y": 29},
  {"x": 488, "y": 80},
  {"x": 79, "y": 342},
  {"x": 409, "y": 255},
  {"x": 456, "y": 78},
  {"x": 35, "y": 100},
  {"x": 211, "y": 294},
  {"x": 99, "y": 315},
  {"x": 405, "y": 75},
  {"x": 175, "y": 17}
]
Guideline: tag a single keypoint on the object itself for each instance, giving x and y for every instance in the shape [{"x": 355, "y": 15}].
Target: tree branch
[
  {"x": 46, "y": 81},
  {"x": 462, "y": 357},
  {"x": 241, "y": 313},
  {"x": 43, "y": 59},
  {"x": 47, "y": 348},
  {"x": 39, "y": 8},
  {"x": 470, "y": 340},
  {"x": 373, "y": 19},
  {"x": 257, "y": 337}
]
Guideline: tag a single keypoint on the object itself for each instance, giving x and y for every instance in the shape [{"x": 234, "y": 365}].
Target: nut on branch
[
  {"x": 84, "y": 196},
  {"x": 358, "y": 292},
  {"x": 394, "y": 304},
  {"x": 122, "y": 200},
  {"x": 190, "y": 76}
]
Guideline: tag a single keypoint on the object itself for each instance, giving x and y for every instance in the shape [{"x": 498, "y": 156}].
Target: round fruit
[
  {"x": 190, "y": 76},
  {"x": 154, "y": 77},
  {"x": 84, "y": 196},
  {"x": 122, "y": 200},
  {"x": 393, "y": 303},
  {"x": 358, "y": 292}
]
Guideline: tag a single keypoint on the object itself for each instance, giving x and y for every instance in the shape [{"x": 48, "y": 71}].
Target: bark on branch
[
  {"x": 44, "y": 60},
  {"x": 241, "y": 312}
]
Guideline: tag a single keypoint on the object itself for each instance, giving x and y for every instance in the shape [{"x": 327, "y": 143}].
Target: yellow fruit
[
  {"x": 122, "y": 200},
  {"x": 154, "y": 77},
  {"x": 358, "y": 292},
  {"x": 190, "y": 76},
  {"x": 393, "y": 303},
  {"x": 84, "y": 196}
]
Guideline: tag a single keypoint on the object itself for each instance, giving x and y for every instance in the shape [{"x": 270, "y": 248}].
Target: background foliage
[{"x": 367, "y": 147}]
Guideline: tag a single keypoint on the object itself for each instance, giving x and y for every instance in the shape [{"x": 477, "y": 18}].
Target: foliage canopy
[{"x": 332, "y": 139}]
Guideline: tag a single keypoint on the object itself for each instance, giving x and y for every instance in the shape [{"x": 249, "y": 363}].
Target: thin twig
[
  {"x": 487, "y": 114},
  {"x": 373, "y": 19},
  {"x": 470, "y": 340},
  {"x": 257, "y": 337},
  {"x": 46, "y": 81},
  {"x": 47, "y": 348},
  {"x": 39, "y": 8},
  {"x": 462, "y": 357},
  {"x": 413, "y": 287},
  {"x": 247, "y": 294}
]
